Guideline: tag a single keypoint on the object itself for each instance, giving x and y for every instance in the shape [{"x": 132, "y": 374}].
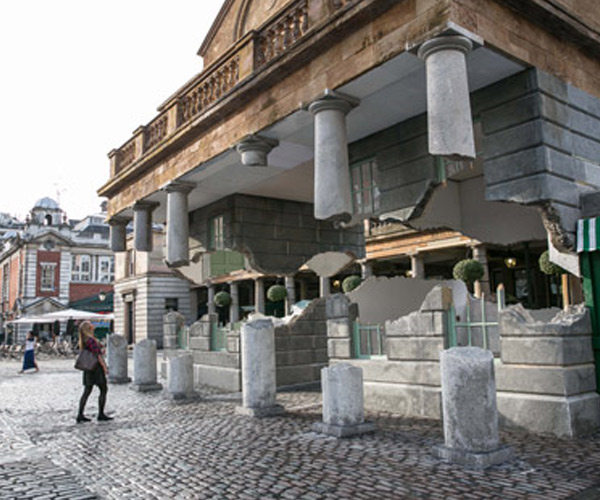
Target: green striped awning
[{"x": 588, "y": 234}]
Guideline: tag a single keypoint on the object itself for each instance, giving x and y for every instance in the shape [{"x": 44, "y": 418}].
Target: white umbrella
[
  {"x": 29, "y": 320},
  {"x": 76, "y": 314}
]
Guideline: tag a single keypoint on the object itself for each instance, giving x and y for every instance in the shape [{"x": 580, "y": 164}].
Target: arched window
[{"x": 48, "y": 220}]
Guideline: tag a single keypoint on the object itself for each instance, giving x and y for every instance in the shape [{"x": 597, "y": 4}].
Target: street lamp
[{"x": 101, "y": 296}]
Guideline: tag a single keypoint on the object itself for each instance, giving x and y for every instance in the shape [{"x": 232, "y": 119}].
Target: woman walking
[
  {"x": 97, "y": 376},
  {"x": 29, "y": 356}
]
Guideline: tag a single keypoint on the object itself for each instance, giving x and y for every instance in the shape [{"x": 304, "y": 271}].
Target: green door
[{"x": 590, "y": 268}]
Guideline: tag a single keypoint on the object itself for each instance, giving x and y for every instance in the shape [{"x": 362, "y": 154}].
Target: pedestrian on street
[
  {"x": 97, "y": 376},
  {"x": 29, "y": 355}
]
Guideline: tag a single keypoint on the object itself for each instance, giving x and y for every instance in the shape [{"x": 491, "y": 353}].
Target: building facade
[{"x": 53, "y": 263}]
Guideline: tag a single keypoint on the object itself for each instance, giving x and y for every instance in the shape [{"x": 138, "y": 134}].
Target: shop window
[{"x": 365, "y": 193}]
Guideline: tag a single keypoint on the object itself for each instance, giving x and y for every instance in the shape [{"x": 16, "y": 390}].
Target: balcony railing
[{"x": 254, "y": 51}]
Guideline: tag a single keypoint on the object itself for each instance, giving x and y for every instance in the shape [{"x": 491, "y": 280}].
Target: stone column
[
  {"x": 343, "y": 402},
  {"x": 258, "y": 370},
  {"x": 253, "y": 150},
  {"x": 181, "y": 377},
  {"x": 259, "y": 296},
  {"x": 448, "y": 104},
  {"x": 324, "y": 286},
  {"x": 212, "y": 308},
  {"x": 366, "y": 270},
  {"x": 417, "y": 266},
  {"x": 332, "y": 196},
  {"x": 482, "y": 285},
  {"x": 144, "y": 366},
  {"x": 142, "y": 225},
  {"x": 234, "y": 308},
  {"x": 469, "y": 409},
  {"x": 178, "y": 230},
  {"x": 116, "y": 357},
  {"x": 290, "y": 288},
  {"x": 118, "y": 233}
]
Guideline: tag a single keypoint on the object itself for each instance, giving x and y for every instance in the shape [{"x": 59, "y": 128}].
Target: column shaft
[
  {"x": 290, "y": 288},
  {"x": 324, "y": 286},
  {"x": 234, "y": 308},
  {"x": 212, "y": 308},
  {"x": 259, "y": 296},
  {"x": 142, "y": 225},
  {"x": 178, "y": 224}
]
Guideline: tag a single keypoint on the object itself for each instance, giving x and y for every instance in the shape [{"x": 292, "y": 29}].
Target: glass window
[
  {"x": 5, "y": 282},
  {"x": 365, "y": 193},
  {"x": 81, "y": 266},
  {"x": 47, "y": 277},
  {"x": 171, "y": 304},
  {"x": 106, "y": 269},
  {"x": 216, "y": 233}
]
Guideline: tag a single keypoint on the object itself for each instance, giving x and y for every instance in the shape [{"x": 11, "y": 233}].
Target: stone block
[
  {"x": 523, "y": 136},
  {"x": 546, "y": 350},
  {"x": 299, "y": 374},
  {"x": 520, "y": 110},
  {"x": 565, "y": 417},
  {"x": 584, "y": 101},
  {"x": 339, "y": 328},
  {"x": 296, "y": 357},
  {"x": 144, "y": 366},
  {"x": 337, "y": 306},
  {"x": 200, "y": 343},
  {"x": 549, "y": 380},
  {"x": 402, "y": 399},
  {"x": 414, "y": 348},
  {"x": 227, "y": 379},
  {"x": 438, "y": 299},
  {"x": 424, "y": 324},
  {"x": 233, "y": 343},
  {"x": 180, "y": 383},
  {"x": 400, "y": 372},
  {"x": 217, "y": 358},
  {"x": 116, "y": 358},
  {"x": 339, "y": 348},
  {"x": 590, "y": 204},
  {"x": 170, "y": 342}
]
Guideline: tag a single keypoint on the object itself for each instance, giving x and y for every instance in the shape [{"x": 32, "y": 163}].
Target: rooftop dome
[{"x": 47, "y": 203}]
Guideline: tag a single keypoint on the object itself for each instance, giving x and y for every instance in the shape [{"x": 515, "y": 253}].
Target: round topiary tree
[
  {"x": 468, "y": 270},
  {"x": 222, "y": 299},
  {"x": 350, "y": 283},
  {"x": 548, "y": 267},
  {"x": 276, "y": 293}
]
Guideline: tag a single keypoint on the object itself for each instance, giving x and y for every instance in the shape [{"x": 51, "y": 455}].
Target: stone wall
[
  {"x": 546, "y": 379},
  {"x": 278, "y": 236}
]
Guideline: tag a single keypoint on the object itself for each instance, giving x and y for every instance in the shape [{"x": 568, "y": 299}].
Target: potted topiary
[
  {"x": 350, "y": 283},
  {"x": 222, "y": 299},
  {"x": 552, "y": 269},
  {"x": 469, "y": 271},
  {"x": 276, "y": 293}
]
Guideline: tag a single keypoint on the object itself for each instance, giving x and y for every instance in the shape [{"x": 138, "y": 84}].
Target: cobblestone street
[{"x": 155, "y": 448}]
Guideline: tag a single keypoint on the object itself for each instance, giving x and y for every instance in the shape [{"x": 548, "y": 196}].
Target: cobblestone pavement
[{"x": 157, "y": 449}]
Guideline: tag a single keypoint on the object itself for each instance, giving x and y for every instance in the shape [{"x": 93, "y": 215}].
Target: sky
[{"x": 77, "y": 77}]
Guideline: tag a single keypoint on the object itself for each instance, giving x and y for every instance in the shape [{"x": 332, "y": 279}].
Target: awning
[{"x": 588, "y": 231}]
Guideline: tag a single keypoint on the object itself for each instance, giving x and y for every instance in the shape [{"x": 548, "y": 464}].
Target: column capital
[
  {"x": 146, "y": 206},
  {"x": 119, "y": 220},
  {"x": 254, "y": 149},
  {"x": 184, "y": 187},
  {"x": 332, "y": 100},
  {"x": 445, "y": 42}
]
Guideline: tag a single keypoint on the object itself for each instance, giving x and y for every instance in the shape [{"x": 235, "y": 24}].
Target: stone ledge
[
  {"x": 268, "y": 411},
  {"x": 479, "y": 460},
  {"x": 340, "y": 431}
]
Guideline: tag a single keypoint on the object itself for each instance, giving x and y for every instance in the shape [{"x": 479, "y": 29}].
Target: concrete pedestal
[
  {"x": 469, "y": 409},
  {"x": 448, "y": 105},
  {"x": 343, "y": 402},
  {"x": 180, "y": 384},
  {"x": 332, "y": 198},
  {"x": 178, "y": 223},
  {"x": 258, "y": 370},
  {"x": 116, "y": 354},
  {"x": 144, "y": 367}
]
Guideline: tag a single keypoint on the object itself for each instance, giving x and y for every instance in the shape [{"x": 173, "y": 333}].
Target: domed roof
[{"x": 47, "y": 203}]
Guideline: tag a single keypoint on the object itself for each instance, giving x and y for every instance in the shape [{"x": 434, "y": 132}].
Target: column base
[
  {"x": 119, "y": 380},
  {"x": 146, "y": 387},
  {"x": 479, "y": 460},
  {"x": 342, "y": 431},
  {"x": 267, "y": 411}
]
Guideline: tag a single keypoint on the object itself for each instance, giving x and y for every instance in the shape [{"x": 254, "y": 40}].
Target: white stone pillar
[
  {"x": 332, "y": 196},
  {"x": 211, "y": 306},
  {"x": 482, "y": 285},
  {"x": 366, "y": 270},
  {"x": 448, "y": 105},
  {"x": 142, "y": 225},
  {"x": 178, "y": 229},
  {"x": 253, "y": 150},
  {"x": 324, "y": 286},
  {"x": 290, "y": 288},
  {"x": 343, "y": 401},
  {"x": 181, "y": 377},
  {"x": 234, "y": 308},
  {"x": 258, "y": 370},
  {"x": 469, "y": 408},
  {"x": 118, "y": 233},
  {"x": 259, "y": 296},
  {"x": 144, "y": 366},
  {"x": 116, "y": 357},
  {"x": 417, "y": 266}
]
